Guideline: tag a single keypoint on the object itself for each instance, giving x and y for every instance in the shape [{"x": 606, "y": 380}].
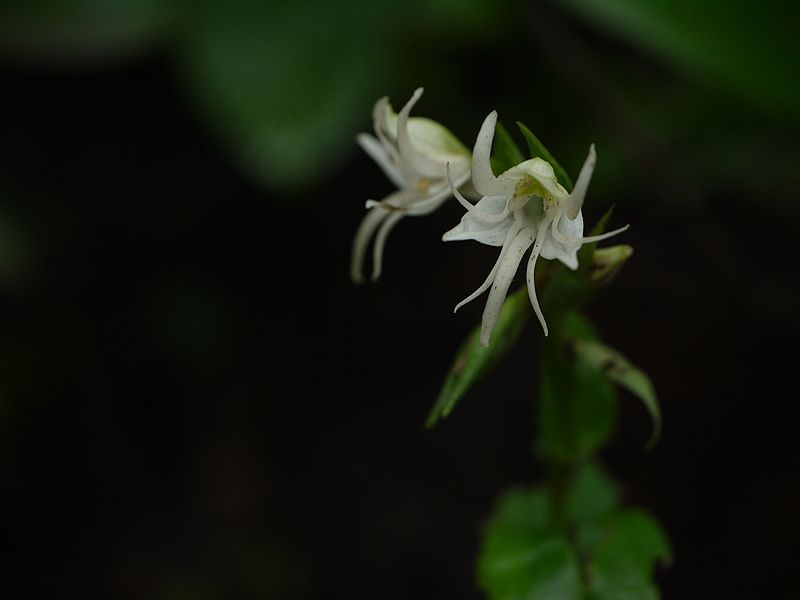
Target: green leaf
[
  {"x": 506, "y": 153},
  {"x": 473, "y": 361},
  {"x": 537, "y": 149},
  {"x": 577, "y": 404},
  {"x": 622, "y": 562},
  {"x": 705, "y": 39},
  {"x": 524, "y": 556},
  {"x": 622, "y": 372},
  {"x": 257, "y": 75},
  {"x": 590, "y": 495}
]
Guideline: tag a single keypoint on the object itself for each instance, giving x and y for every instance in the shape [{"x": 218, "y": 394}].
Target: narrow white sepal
[
  {"x": 483, "y": 178},
  {"x": 377, "y": 152},
  {"x": 604, "y": 236},
  {"x": 418, "y": 161},
  {"x": 575, "y": 199},
  {"x": 530, "y": 275},
  {"x": 505, "y": 274},
  {"x": 380, "y": 243},
  {"x": 363, "y": 235},
  {"x": 490, "y": 278}
]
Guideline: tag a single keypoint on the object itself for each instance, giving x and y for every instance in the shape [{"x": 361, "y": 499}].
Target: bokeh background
[{"x": 195, "y": 402}]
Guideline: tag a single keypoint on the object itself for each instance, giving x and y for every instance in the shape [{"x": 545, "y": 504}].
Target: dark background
[{"x": 195, "y": 402}]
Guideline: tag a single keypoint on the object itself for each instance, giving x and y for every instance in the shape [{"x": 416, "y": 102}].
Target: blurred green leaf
[
  {"x": 284, "y": 91},
  {"x": 537, "y": 149},
  {"x": 473, "y": 361},
  {"x": 748, "y": 48},
  {"x": 523, "y": 555},
  {"x": 506, "y": 153},
  {"x": 82, "y": 31},
  {"x": 590, "y": 494},
  {"x": 577, "y": 404},
  {"x": 622, "y": 562},
  {"x": 622, "y": 372}
]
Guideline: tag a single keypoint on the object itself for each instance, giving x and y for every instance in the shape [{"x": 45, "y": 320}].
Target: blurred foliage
[
  {"x": 577, "y": 404},
  {"x": 285, "y": 85},
  {"x": 82, "y": 32},
  {"x": 747, "y": 48},
  {"x": 570, "y": 541}
]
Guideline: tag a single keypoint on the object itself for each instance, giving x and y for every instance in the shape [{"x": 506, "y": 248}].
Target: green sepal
[
  {"x": 473, "y": 361},
  {"x": 506, "y": 153},
  {"x": 537, "y": 149}
]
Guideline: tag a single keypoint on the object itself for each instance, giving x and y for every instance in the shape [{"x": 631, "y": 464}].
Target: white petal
[
  {"x": 380, "y": 243},
  {"x": 489, "y": 233},
  {"x": 408, "y": 152},
  {"x": 481, "y": 216},
  {"x": 530, "y": 274},
  {"x": 379, "y": 154},
  {"x": 567, "y": 254},
  {"x": 483, "y": 178},
  {"x": 490, "y": 279},
  {"x": 575, "y": 200},
  {"x": 539, "y": 170},
  {"x": 365, "y": 230},
  {"x": 381, "y": 121},
  {"x": 435, "y": 141},
  {"x": 505, "y": 274},
  {"x": 563, "y": 240}
]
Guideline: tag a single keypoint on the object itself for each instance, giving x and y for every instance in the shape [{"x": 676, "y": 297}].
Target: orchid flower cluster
[
  {"x": 609, "y": 551},
  {"x": 413, "y": 152},
  {"x": 522, "y": 207}
]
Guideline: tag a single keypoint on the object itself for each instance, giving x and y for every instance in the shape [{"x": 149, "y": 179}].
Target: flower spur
[
  {"x": 413, "y": 153},
  {"x": 524, "y": 206}
]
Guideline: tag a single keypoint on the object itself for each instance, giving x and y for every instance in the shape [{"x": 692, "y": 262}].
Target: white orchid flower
[
  {"x": 413, "y": 152},
  {"x": 524, "y": 206}
]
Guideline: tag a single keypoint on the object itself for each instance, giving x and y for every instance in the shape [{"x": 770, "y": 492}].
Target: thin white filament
[{"x": 603, "y": 236}]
